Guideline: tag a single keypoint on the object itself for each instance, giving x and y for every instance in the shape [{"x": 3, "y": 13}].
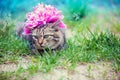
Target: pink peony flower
[
  {"x": 62, "y": 25},
  {"x": 42, "y": 14},
  {"x": 26, "y": 31}
]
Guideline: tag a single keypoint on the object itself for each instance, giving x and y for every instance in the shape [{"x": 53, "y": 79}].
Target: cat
[{"x": 48, "y": 36}]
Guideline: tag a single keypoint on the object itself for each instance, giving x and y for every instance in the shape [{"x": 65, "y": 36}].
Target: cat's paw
[{"x": 34, "y": 51}]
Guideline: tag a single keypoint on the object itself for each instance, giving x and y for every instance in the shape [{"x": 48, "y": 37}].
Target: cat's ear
[{"x": 55, "y": 24}]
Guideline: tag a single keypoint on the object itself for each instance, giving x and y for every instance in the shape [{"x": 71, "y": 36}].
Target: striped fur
[{"x": 48, "y": 36}]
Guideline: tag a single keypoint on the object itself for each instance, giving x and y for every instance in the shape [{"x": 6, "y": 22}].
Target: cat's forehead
[
  {"x": 43, "y": 31},
  {"x": 48, "y": 29},
  {"x": 37, "y": 31}
]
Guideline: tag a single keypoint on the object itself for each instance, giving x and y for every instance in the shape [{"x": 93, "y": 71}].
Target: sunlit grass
[
  {"x": 80, "y": 48},
  {"x": 99, "y": 47},
  {"x": 10, "y": 45}
]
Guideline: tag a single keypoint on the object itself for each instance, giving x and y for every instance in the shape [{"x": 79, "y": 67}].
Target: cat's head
[{"x": 48, "y": 36}]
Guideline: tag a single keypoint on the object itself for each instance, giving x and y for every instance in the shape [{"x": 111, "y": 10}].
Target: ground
[{"x": 83, "y": 71}]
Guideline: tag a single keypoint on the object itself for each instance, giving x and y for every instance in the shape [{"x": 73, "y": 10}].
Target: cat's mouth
[
  {"x": 41, "y": 46},
  {"x": 44, "y": 47}
]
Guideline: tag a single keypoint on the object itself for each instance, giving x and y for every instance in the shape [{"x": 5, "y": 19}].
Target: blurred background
[
  {"x": 97, "y": 15},
  {"x": 72, "y": 9}
]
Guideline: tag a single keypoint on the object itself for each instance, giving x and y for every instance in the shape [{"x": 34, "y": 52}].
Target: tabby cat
[{"x": 49, "y": 36}]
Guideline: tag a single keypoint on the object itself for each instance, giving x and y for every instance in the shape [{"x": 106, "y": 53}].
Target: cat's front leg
[
  {"x": 32, "y": 48},
  {"x": 34, "y": 51}
]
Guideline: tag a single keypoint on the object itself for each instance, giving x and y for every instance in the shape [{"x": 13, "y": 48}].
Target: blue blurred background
[{"x": 72, "y": 9}]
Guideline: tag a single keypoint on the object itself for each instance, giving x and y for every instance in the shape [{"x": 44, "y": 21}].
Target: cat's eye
[
  {"x": 46, "y": 36},
  {"x": 36, "y": 37}
]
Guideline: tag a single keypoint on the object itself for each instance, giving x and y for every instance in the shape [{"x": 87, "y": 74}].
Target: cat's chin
[{"x": 40, "y": 47}]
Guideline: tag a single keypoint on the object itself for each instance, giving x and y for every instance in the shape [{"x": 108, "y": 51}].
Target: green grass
[
  {"x": 10, "y": 45},
  {"x": 11, "y": 76},
  {"x": 92, "y": 48}
]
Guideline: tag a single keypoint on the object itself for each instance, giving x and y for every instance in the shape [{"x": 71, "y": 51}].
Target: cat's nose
[{"x": 40, "y": 41}]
